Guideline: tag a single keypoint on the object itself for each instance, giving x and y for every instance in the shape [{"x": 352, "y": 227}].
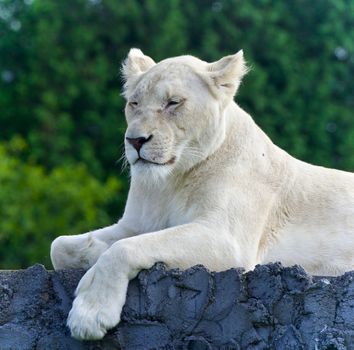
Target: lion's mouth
[{"x": 145, "y": 161}]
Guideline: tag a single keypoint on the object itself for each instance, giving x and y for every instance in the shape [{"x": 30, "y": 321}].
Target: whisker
[
  {"x": 123, "y": 160},
  {"x": 195, "y": 152}
]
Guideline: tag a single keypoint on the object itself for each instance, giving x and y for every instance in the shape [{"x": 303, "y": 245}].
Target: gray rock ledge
[{"x": 272, "y": 307}]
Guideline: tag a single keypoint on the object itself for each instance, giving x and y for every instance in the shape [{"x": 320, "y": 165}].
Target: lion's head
[{"x": 175, "y": 110}]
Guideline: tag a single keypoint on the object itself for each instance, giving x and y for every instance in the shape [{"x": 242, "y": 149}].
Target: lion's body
[{"x": 207, "y": 187}]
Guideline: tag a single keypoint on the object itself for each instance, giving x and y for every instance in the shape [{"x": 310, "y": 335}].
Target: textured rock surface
[{"x": 269, "y": 308}]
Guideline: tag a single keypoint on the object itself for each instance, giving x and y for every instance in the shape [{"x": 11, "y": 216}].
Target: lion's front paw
[
  {"x": 81, "y": 251},
  {"x": 98, "y": 305},
  {"x": 91, "y": 319}
]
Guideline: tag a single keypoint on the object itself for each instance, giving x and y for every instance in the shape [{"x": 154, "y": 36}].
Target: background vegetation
[{"x": 61, "y": 113}]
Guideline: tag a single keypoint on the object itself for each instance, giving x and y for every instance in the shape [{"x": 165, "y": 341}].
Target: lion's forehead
[{"x": 165, "y": 79}]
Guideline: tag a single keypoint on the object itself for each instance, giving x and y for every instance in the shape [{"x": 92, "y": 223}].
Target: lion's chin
[{"x": 151, "y": 173}]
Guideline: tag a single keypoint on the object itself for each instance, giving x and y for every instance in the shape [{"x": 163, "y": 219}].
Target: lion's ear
[
  {"x": 226, "y": 74},
  {"x": 136, "y": 63}
]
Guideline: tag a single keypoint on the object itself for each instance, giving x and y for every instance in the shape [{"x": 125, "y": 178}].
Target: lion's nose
[{"x": 137, "y": 142}]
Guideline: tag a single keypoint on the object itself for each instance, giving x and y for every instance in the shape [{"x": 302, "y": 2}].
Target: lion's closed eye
[
  {"x": 174, "y": 102},
  {"x": 133, "y": 104}
]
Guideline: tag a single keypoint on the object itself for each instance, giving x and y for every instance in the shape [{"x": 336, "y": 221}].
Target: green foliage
[
  {"x": 36, "y": 206},
  {"x": 59, "y": 82}
]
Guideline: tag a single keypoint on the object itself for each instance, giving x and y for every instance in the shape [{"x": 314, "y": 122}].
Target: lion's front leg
[
  {"x": 82, "y": 251},
  {"x": 102, "y": 291}
]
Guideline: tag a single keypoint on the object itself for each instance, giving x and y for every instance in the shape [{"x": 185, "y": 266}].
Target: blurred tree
[
  {"x": 36, "y": 206},
  {"x": 59, "y": 78}
]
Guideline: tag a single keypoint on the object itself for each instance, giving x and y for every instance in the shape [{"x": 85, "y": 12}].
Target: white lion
[{"x": 207, "y": 187}]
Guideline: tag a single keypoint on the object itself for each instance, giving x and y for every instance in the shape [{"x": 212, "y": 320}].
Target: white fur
[{"x": 226, "y": 196}]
